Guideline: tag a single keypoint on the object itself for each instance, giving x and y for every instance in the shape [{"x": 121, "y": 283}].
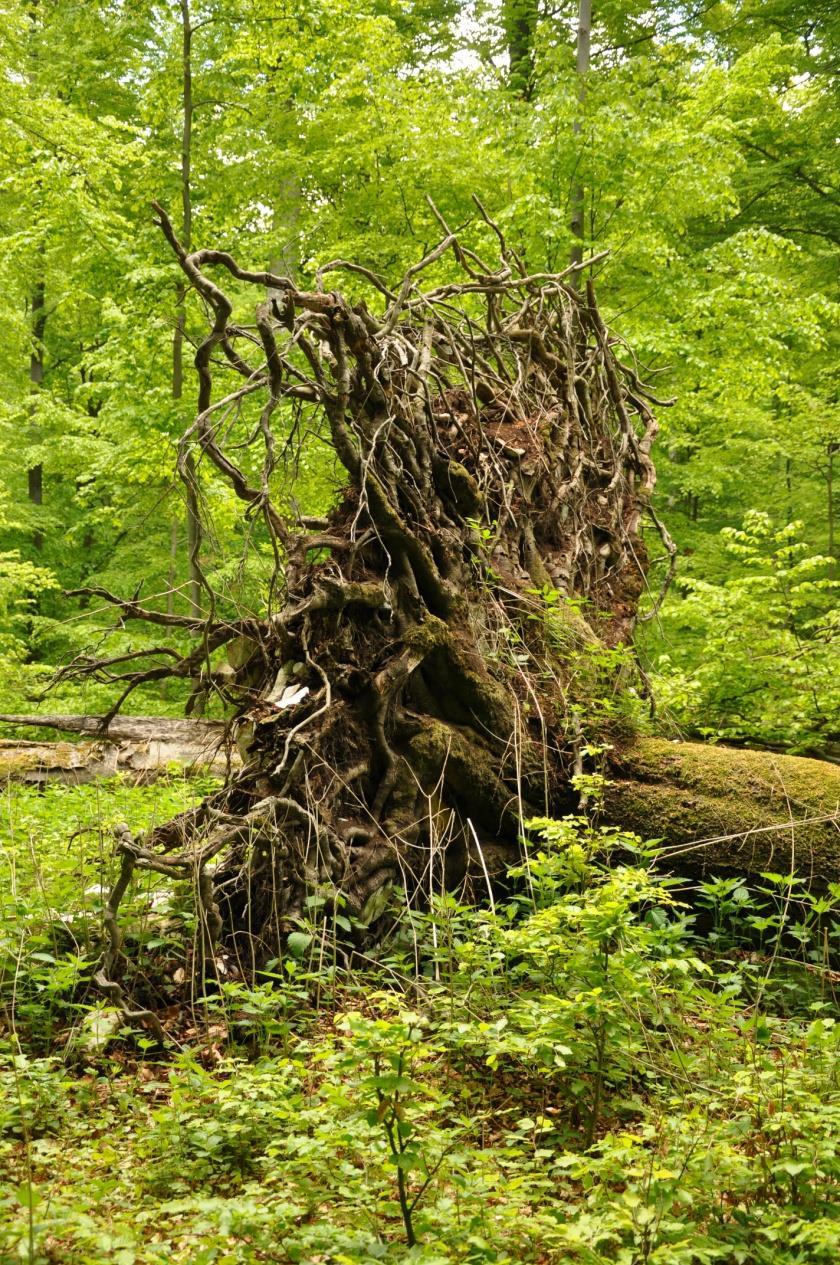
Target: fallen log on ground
[
  {"x": 172, "y": 729},
  {"x": 714, "y": 807},
  {"x": 141, "y": 747},
  {"x": 725, "y": 808}
]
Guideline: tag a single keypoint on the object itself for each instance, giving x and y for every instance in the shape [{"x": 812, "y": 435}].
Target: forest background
[
  {"x": 698, "y": 147},
  {"x": 611, "y": 1062}
]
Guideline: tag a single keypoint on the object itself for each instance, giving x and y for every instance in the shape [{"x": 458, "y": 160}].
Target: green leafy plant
[{"x": 769, "y": 634}]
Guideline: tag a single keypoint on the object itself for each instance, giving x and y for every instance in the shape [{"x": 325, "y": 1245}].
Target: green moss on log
[
  {"x": 428, "y": 636},
  {"x": 470, "y": 772},
  {"x": 456, "y": 675},
  {"x": 723, "y": 808}
]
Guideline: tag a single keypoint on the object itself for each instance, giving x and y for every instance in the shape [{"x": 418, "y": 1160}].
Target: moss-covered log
[{"x": 724, "y": 808}]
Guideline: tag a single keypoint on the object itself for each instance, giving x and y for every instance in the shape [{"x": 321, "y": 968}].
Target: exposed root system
[{"x": 409, "y": 697}]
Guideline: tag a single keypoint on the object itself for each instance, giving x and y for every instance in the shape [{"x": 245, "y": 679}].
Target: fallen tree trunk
[
  {"x": 713, "y": 807},
  {"x": 723, "y": 808},
  {"x": 138, "y": 747},
  {"x": 431, "y": 666},
  {"x": 193, "y": 733}
]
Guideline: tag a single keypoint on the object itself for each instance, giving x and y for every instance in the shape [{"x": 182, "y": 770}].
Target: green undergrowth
[
  {"x": 603, "y": 1067},
  {"x": 56, "y": 867}
]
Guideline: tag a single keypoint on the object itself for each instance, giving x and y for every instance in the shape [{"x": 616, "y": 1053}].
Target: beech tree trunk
[
  {"x": 139, "y": 747},
  {"x": 718, "y": 808},
  {"x": 584, "y": 24},
  {"x": 190, "y": 478}
]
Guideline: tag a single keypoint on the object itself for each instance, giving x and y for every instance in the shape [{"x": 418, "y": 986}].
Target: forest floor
[{"x": 602, "y": 1068}]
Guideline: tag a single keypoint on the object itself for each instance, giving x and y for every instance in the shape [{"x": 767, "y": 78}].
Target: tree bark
[
  {"x": 832, "y": 449},
  {"x": 37, "y": 316},
  {"x": 75, "y": 763},
  {"x": 721, "y": 808},
  {"x": 191, "y": 733},
  {"x": 191, "y": 487},
  {"x": 582, "y": 67},
  {"x": 35, "y": 474},
  {"x": 141, "y": 747}
]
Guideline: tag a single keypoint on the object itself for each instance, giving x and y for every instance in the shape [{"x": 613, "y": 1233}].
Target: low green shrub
[{"x": 583, "y": 1074}]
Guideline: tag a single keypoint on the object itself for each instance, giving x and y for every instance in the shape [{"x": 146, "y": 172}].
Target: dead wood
[
  {"x": 725, "y": 809},
  {"x": 415, "y": 686},
  {"x": 75, "y": 763},
  {"x": 198, "y": 734}
]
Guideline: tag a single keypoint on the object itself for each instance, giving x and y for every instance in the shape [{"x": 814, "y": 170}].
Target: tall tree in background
[
  {"x": 191, "y": 481},
  {"x": 584, "y": 23},
  {"x": 37, "y": 308},
  {"x": 520, "y": 22}
]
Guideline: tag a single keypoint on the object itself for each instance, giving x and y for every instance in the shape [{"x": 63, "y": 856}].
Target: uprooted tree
[{"x": 418, "y": 685}]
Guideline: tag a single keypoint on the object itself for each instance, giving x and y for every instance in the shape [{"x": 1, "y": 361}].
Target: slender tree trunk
[
  {"x": 829, "y": 478},
  {"x": 191, "y": 482},
  {"x": 578, "y": 191},
  {"x": 286, "y": 260},
  {"x": 173, "y": 567},
  {"x": 520, "y": 18},
  {"x": 38, "y": 322},
  {"x": 36, "y": 378}
]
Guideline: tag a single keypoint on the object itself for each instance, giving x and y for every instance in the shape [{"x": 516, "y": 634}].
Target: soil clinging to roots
[{"x": 408, "y": 696}]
